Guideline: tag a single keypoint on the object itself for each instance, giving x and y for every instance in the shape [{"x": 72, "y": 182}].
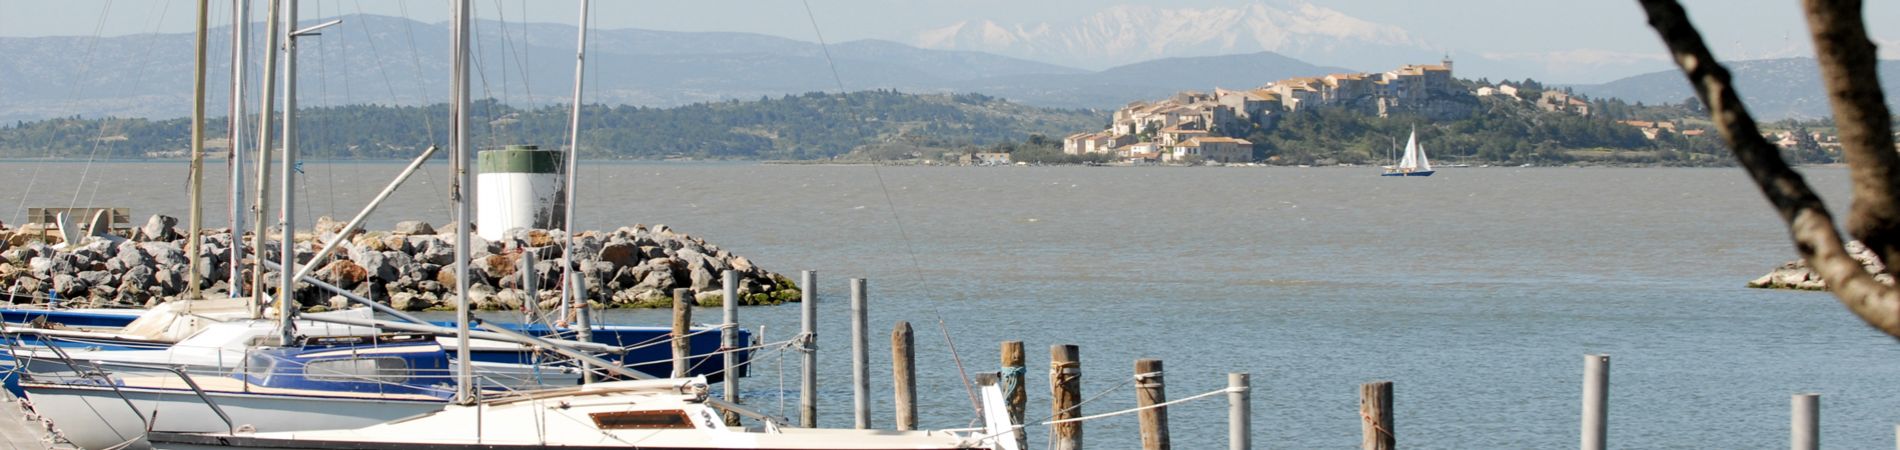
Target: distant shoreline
[{"x": 1583, "y": 165}]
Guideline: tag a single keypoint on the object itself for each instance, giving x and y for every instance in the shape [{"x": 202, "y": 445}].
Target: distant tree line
[{"x": 793, "y": 127}]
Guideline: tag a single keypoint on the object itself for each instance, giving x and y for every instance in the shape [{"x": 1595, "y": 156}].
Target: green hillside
[{"x": 802, "y": 127}]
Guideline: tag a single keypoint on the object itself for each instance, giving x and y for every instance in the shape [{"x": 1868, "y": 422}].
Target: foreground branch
[
  {"x": 1848, "y": 69},
  {"x": 1809, "y": 224}
]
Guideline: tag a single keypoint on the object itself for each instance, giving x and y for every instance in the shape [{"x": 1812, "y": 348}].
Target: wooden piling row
[
  {"x": 682, "y": 327},
  {"x": 1065, "y": 396},
  {"x": 1149, "y": 391},
  {"x": 904, "y": 375},
  {"x": 1375, "y": 414},
  {"x": 1377, "y": 425},
  {"x": 1015, "y": 393}
]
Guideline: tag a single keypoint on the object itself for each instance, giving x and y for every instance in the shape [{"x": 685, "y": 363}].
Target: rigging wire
[
  {"x": 376, "y": 54},
  {"x": 84, "y": 71},
  {"x": 527, "y": 84},
  {"x": 104, "y": 125},
  {"x": 428, "y": 124},
  {"x": 481, "y": 74},
  {"x": 910, "y": 248},
  {"x": 323, "y": 95},
  {"x": 496, "y": 133}
]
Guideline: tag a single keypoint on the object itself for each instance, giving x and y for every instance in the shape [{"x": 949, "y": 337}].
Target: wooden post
[
  {"x": 1065, "y": 396},
  {"x": 1805, "y": 429},
  {"x": 808, "y": 332},
  {"x": 1239, "y": 412},
  {"x": 729, "y": 335},
  {"x": 1014, "y": 392},
  {"x": 860, "y": 357},
  {"x": 1149, "y": 392},
  {"x": 904, "y": 375},
  {"x": 1375, "y": 414},
  {"x": 682, "y": 326},
  {"x": 1596, "y": 398}
]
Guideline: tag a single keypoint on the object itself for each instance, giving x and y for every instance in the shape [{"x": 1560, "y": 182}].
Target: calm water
[{"x": 1477, "y": 291}]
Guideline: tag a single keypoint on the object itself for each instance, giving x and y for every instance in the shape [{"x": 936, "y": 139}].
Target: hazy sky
[{"x": 1523, "y": 29}]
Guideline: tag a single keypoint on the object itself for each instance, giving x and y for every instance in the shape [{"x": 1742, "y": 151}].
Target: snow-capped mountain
[{"x": 1120, "y": 35}]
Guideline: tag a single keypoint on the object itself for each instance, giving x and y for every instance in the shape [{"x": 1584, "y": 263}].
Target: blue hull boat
[{"x": 647, "y": 346}]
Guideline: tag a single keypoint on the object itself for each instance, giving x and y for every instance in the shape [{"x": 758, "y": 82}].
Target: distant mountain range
[
  {"x": 1773, "y": 88},
  {"x": 395, "y": 61},
  {"x": 372, "y": 59},
  {"x": 1120, "y": 35}
]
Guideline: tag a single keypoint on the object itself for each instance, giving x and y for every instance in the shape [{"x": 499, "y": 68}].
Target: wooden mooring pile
[{"x": 1065, "y": 422}]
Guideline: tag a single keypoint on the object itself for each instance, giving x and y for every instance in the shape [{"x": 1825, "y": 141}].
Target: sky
[{"x": 1507, "y": 29}]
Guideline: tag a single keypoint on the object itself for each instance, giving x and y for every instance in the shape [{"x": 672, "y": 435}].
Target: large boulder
[
  {"x": 408, "y": 301},
  {"x": 159, "y": 228},
  {"x": 327, "y": 225},
  {"x": 343, "y": 273},
  {"x": 69, "y": 286},
  {"x": 45, "y": 267},
  {"x": 169, "y": 282},
  {"x": 27, "y": 287},
  {"x": 164, "y": 253},
  {"x": 657, "y": 280},
  {"x": 95, "y": 278},
  {"x": 414, "y": 228},
  {"x": 498, "y": 266},
  {"x": 621, "y": 253},
  {"x": 18, "y": 254},
  {"x": 138, "y": 278}
]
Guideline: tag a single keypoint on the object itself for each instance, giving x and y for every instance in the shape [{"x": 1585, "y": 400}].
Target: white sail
[
  {"x": 1424, "y": 164},
  {"x": 1411, "y": 158}
]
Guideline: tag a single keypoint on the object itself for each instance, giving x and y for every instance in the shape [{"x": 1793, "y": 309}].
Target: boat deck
[{"x": 18, "y": 433}]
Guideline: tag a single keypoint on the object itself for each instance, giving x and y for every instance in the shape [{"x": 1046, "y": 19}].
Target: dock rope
[
  {"x": 1137, "y": 409},
  {"x": 910, "y": 247}
]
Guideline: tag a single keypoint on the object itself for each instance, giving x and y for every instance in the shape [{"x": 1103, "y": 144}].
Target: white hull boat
[{"x": 650, "y": 414}]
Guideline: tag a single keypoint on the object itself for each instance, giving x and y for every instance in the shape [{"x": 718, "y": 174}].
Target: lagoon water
[{"x": 1478, "y": 291}]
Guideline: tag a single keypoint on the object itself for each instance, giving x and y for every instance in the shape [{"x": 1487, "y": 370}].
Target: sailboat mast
[
  {"x": 240, "y": 40},
  {"x": 458, "y": 104},
  {"x": 266, "y": 103},
  {"x": 192, "y": 245},
  {"x": 287, "y": 246},
  {"x": 568, "y": 260}
]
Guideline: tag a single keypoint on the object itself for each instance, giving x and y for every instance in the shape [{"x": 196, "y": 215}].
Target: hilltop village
[
  {"x": 1214, "y": 128},
  {"x": 1195, "y": 126}
]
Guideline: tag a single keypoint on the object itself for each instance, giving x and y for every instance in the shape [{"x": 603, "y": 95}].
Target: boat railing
[
  {"x": 182, "y": 376},
  {"x": 99, "y": 370}
]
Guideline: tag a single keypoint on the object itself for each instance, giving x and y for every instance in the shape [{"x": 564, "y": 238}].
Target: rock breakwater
[
  {"x": 409, "y": 267},
  {"x": 1797, "y": 275}
]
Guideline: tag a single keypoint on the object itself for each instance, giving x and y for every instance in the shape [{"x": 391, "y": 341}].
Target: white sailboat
[
  {"x": 1414, "y": 163},
  {"x": 674, "y": 413}
]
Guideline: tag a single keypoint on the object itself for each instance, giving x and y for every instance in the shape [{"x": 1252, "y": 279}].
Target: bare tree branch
[
  {"x": 1848, "y": 69},
  {"x": 1809, "y": 224}
]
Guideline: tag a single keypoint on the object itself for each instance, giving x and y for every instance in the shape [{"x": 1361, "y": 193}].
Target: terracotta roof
[
  {"x": 1177, "y": 130},
  {"x": 1220, "y": 140}
]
